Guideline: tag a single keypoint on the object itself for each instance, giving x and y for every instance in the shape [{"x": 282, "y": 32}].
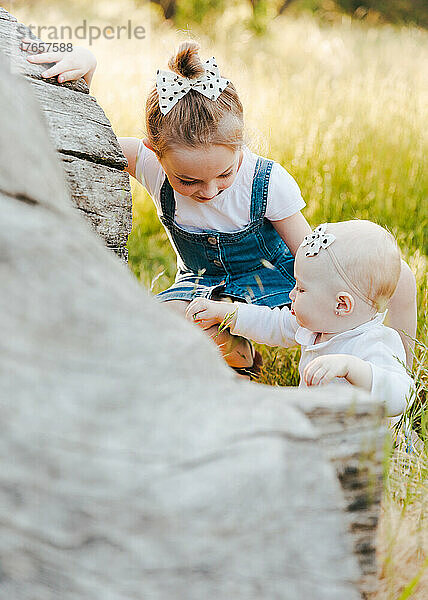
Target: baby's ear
[{"x": 345, "y": 303}]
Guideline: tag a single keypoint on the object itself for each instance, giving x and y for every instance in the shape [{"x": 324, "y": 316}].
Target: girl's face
[{"x": 201, "y": 173}]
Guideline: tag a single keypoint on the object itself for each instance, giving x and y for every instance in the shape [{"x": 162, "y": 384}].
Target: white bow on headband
[
  {"x": 317, "y": 239},
  {"x": 172, "y": 87}
]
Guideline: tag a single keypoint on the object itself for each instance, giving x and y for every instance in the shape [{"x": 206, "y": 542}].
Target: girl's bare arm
[
  {"x": 129, "y": 147},
  {"x": 292, "y": 230}
]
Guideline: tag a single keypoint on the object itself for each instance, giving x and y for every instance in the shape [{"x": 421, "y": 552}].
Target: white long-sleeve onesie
[{"x": 373, "y": 342}]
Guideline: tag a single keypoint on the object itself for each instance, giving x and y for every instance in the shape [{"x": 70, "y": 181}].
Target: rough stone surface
[
  {"x": 84, "y": 139},
  {"x": 134, "y": 464}
]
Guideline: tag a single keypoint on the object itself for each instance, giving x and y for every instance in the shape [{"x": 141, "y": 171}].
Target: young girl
[
  {"x": 345, "y": 273},
  {"x": 233, "y": 218}
]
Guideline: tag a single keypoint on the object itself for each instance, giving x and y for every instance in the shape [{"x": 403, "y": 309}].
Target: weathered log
[
  {"x": 134, "y": 465},
  {"x": 95, "y": 188},
  {"x": 346, "y": 441},
  {"x": 82, "y": 135}
]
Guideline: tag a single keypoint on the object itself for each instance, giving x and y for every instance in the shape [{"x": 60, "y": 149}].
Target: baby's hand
[
  {"x": 323, "y": 369},
  {"x": 207, "y": 313},
  {"x": 69, "y": 66}
]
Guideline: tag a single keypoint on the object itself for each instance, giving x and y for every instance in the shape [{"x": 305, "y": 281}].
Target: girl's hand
[
  {"x": 207, "y": 313},
  {"x": 69, "y": 66},
  {"x": 323, "y": 369}
]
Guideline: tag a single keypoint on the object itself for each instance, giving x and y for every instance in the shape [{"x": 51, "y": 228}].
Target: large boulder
[{"x": 90, "y": 155}]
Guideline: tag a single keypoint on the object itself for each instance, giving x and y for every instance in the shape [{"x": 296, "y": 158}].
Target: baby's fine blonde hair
[
  {"x": 195, "y": 120},
  {"x": 370, "y": 257}
]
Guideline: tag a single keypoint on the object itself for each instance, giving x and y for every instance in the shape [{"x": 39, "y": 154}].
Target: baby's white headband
[
  {"x": 172, "y": 87},
  {"x": 318, "y": 239}
]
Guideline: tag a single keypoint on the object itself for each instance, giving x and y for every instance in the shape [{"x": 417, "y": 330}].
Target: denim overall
[{"x": 253, "y": 265}]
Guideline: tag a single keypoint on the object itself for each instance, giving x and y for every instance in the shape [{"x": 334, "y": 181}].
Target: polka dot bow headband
[
  {"x": 172, "y": 87},
  {"x": 317, "y": 239}
]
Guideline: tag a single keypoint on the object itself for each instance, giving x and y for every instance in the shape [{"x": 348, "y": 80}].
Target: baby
[{"x": 345, "y": 275}]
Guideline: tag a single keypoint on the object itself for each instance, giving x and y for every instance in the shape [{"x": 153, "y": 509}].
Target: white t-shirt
[
  {"x": 230, "y": 210},
  {"x": 373, "y": 342}
]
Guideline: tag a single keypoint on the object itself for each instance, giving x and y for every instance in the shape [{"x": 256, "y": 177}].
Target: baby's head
[
  {"x": 345, "y": 273},
  {"x": 197, "y": 139}
]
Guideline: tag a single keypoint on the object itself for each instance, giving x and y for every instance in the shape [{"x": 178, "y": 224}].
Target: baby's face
[
  {"x": 201, "y": 173},
  {"x": 314, "y": 295}
]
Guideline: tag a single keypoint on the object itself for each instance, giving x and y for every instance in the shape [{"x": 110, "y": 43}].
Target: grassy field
[{"x": 345, "y": 109}]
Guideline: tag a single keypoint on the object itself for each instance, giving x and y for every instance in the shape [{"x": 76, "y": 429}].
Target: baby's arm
[
  {"x": 275, "y": 327},
  {"x": 382, "y": 375},
  {"x": 323, "y": 369},
  {"x": 207, "y": 313}
]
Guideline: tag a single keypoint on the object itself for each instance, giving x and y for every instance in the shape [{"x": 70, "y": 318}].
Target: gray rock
[{"x": 84, "y": 139}]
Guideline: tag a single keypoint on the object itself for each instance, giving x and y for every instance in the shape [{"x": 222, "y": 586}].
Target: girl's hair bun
[
  {"x": 195, "y": 120},
  {"x": 187, "y": 62}
]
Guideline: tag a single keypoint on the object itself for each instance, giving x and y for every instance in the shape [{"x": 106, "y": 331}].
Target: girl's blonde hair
[{"x": 195, "y": 120}]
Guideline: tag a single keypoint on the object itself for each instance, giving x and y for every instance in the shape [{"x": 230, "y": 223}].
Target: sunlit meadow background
[{"x": 344, "y": 108}]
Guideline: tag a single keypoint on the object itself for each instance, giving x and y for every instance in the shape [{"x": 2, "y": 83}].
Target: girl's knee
[
  {"x": 408, "y": 281},
  {"x": 405, "y": 293},
  {"x": 237, "y": 350}
]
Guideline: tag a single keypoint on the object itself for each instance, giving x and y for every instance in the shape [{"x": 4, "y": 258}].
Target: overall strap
[
  {"x": 259, "y": 192},
  {"x": 167, "y": 199}
]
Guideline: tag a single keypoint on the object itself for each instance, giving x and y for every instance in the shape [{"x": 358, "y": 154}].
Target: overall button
[
  {"x": 212, "y": 240},
  {"x": 217, "y": 263}
]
